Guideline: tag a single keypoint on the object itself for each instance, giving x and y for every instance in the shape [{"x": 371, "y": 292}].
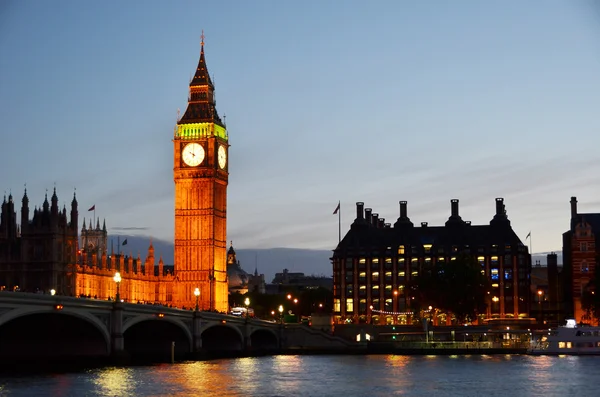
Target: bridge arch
[
  {"x": 147, "y": 337},
  {"x": 222, "y": 337},
  {"x": 81, "y": 314},
  {"x": 175, "y": 321},
  {"x": 264, "y": 339}
]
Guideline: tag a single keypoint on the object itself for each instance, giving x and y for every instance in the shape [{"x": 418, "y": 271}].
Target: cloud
[{"x": 132, "y": 228}]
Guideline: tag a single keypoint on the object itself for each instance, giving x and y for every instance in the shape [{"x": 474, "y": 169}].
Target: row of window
[
  {"x": 387, "y": 305},
  {"x": 388, "y": 262}
]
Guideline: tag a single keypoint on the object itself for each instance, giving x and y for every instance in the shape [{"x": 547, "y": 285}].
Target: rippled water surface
[{"x": 329, "y": 376}]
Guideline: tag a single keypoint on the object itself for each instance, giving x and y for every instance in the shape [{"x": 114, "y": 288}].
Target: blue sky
[{"x": 373, "y": 101}]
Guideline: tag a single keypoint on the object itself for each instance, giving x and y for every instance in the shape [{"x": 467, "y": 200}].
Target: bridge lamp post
[
  {"x": 53, "y": 292},
  {"x": 117, "y": 279},
  {"x": 197, "y": 293},
  {"x": 280, "y": 313},
  {"x": 247, "y": 303}
]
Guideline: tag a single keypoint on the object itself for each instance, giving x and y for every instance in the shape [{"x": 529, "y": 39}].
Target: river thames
[{"x": 374, "y": 375}]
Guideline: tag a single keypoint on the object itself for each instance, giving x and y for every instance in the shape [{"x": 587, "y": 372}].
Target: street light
[
  {"x": 280, "y": 313},
  {"x": 117, "y": 279},
  {"x": 53, "y": 292},
  {"x": 197, "y": 293},
  {"x": 247, "y": 303}
]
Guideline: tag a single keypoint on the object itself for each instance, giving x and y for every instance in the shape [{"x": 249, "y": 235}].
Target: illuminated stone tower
[{"x": 201, "y": 173}]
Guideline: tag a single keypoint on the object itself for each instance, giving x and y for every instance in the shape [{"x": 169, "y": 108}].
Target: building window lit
[
  {"x": 362, "y": 305},
  {"x": 375, "y": 276},
  {"x": 336, "y": 305},
  {"x": 349, "y": 306},
  {"x": 494, "y": 274},
  {"x": 388, "y": 260},
  {"x": 362, "y": 260},
  {"x": 401, "y": 250},
  {"x": 401, "y": 275},
  {"x": 427, "y": 248},
  {"x": 414, "y": 273},
  {"x": 362, "y": 277}
]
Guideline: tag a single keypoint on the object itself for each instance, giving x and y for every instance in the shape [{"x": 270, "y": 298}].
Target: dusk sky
[{"x": 423, "y": 101}]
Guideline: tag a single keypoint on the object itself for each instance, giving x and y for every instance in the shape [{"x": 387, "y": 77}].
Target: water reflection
[
  {"x": 324, "y": 376},
  {"x": 114, "y": 381}
]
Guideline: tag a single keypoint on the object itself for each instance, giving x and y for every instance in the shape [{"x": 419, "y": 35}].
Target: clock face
[
  {"x": 222, "y": 157},
  {"x": 193, "y": 154}
]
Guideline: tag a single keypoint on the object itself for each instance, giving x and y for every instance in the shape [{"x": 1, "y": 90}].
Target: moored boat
[{"x": 569, "y": 339}]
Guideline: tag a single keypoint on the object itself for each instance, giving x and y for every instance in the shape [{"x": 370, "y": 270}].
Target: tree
[{"x": 456, "y": 286}]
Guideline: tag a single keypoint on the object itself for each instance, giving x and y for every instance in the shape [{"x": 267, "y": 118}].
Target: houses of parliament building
[{"x": 48, "y": 251}]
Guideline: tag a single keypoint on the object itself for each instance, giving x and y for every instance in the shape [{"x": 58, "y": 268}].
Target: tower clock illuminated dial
[
  {"x": 192, "y": 154},
  {"x": 222, "y": 156}
]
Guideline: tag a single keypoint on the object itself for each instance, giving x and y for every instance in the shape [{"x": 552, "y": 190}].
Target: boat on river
[{"x": 569, "y": 339}]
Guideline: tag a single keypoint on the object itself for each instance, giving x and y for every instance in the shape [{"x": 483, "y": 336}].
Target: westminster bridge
[{"x": 38, "y": 326}]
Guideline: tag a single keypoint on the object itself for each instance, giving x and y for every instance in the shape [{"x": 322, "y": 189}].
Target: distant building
[
  {"x": 301, "y": 281},
  {"x": 240, "y": 281},
  {"x": 375, "y": 262},
  {"x": 547, "y": 303},
  {"x": 580, "y": 254}
]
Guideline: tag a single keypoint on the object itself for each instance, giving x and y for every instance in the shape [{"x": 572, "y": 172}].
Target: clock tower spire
[{"x": 200, "y": 172}]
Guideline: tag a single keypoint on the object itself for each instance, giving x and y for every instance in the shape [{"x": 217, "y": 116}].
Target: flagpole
[{"x": 339, "y": 222}]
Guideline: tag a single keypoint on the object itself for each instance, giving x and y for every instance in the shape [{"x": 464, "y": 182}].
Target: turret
[
  {"x": 54, "y": 208},
  {"x": 161, "y": 267},
  {"x": 149, "y": 265},
  {"x": 74, "y": 213},
  {"x": 24, "y": 212},
  {"x": 46, "y": 205}
]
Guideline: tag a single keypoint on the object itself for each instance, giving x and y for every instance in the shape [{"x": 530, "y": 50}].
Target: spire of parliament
[{"x": 201, "y": 102}]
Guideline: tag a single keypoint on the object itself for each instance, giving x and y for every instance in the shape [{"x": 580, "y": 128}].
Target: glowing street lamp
[
  {"x": 117, "y": 279},
  {"x": 247, "y": 303},
  {"x": 52, "y": 292},
  {"x": 197, "y": 293},
  {"x": 280, "y": 313}
]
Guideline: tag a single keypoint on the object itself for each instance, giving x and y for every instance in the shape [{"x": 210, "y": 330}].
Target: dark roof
[
  {"x": 201, "y": 77},
  {"x": 456, "y": 232},
  {"x": 201, "y": 107}
]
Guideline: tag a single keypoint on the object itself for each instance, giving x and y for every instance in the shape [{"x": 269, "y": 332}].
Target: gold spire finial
[{"x": 202, "y": 39}]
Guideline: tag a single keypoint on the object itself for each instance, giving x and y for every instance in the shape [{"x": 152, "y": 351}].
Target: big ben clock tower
[{"x": 201, "y": 173}]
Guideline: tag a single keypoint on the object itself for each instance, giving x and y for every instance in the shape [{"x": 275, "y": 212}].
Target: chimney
[
  {"x": 573, "y": 207},
  {"x": 423, "y": 224},
  {"x": 359, "y": 210},
  {"x": 454, "y": 208},
  {"x": 387, "y": 226},
  {"x": 374, "y": 219},
  {"x": 403, "y": 209},
  {"x": 368, "y": 216},
  {"x": 500, "y": 206},
  {"x": 380, "y": 223}
]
